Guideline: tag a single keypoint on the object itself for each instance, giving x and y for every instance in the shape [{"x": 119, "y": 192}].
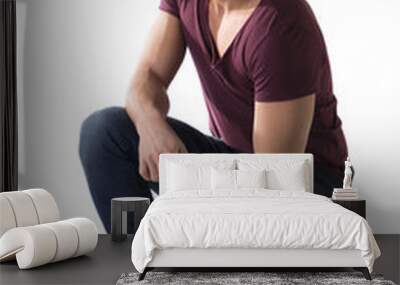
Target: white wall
[{"x": 76, "y": 56}]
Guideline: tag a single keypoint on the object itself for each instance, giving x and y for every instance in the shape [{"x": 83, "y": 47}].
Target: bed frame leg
[
  {"x": 364, "y": 271},
  {"x": 143, "y": 274}
]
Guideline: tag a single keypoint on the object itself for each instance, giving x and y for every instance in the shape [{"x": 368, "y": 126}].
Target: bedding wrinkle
[{"x": 252, "y": 218}]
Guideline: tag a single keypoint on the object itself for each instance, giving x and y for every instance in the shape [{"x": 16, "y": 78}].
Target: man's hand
[{"x": 156, "y": 137}]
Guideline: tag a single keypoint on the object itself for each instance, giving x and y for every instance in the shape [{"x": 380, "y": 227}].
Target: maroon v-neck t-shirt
[{"x": 279, "y": 54}]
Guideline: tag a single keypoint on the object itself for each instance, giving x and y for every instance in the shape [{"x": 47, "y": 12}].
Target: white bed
[{"x": 199, "y": 226}]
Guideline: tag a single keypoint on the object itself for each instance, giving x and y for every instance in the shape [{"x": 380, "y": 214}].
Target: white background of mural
[{"x": 77, "y": 56}]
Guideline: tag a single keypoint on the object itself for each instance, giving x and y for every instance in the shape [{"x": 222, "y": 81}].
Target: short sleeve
[
  {"x": 170, "y": 6},
  {"x": 286, "y": 64}
]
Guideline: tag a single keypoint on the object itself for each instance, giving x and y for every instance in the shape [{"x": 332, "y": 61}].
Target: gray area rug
[{"x": 269, "y": 278}]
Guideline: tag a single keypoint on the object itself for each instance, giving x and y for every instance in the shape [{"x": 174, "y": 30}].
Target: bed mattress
[{"x": 250, "y": 219}]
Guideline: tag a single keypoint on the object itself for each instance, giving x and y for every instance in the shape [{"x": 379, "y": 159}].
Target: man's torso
[{"x": 229, "y": 88}]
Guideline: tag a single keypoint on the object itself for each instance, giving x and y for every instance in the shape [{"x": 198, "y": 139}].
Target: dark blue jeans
[{"x": 109, "y": 154}]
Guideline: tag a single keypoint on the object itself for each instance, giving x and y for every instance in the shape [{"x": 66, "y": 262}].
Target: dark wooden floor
[{"x": 110, "y": 260}]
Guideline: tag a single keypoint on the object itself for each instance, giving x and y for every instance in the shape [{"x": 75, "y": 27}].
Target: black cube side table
[
  {"x": 119, "y": 208},
  {"x": 357, "y": 206}
]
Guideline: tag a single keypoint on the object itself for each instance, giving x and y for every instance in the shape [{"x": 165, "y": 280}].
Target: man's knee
[{"x": 103, "y": 127}]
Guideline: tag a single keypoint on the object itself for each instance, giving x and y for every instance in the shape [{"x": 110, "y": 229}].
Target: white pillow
[
  {"x": 251, "y": 179},
  {"x": 184, "y": 175},
  {"x": 223, "y": 179},
  {"x": 289, "y": 175},
  {"x": 227, "y": 179}
]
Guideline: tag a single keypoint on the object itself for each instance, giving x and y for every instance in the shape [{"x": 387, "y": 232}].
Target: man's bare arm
[
  {"x": 283, "y": 127},
  {"x": 147, "y": 103}
]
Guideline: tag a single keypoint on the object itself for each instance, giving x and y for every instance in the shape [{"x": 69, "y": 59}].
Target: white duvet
[{"x": 250, "y": 219}]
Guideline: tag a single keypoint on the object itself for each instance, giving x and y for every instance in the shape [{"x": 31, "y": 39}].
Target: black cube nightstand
[
  {"x": 357, "y": 206},
  {"x": 119, "y": 208}
]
